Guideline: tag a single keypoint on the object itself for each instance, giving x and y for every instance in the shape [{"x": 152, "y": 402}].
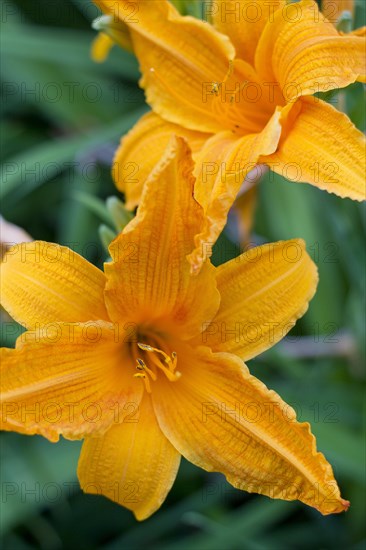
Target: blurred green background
[{"x": 62, "y": 117}]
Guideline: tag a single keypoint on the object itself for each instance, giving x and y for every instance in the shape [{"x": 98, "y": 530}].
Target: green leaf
[
  {"x": 32, "y": 168},
  {"x": 65, "y": 48},
  {"x": 92, "y": 203}
]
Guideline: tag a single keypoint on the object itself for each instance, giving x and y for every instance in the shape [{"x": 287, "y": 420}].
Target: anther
[
  {"x": 145, "y": 380},
  {"x": 141, "y": 366},
  {"x": 145, "y": 347}
]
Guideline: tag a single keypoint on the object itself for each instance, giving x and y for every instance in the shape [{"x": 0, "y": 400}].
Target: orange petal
[
  {"x": 223, "y": 419},
  {"x": 149, "y": 277},
  {"x": 304, "y": 52},
  {"x": 142, "y": 148},
  {"x": 132, "y": 464},
  {"x": 178, "y": 57},
  {"x": 44, "y": 282},
  {"x": 263, "y": 293},
  {"x": 68, "y": 378},
  {"x": 323, "y": 148},
  {"x": 243, "y": 22},
  {"x": 222, "y": 165}
]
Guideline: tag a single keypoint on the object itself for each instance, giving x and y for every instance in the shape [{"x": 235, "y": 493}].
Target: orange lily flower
[
  {"x": 241, "y": 91},
  {"x": 145, "y": 361}
]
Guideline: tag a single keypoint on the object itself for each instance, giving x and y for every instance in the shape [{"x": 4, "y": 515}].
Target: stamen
[
  {"x": 171, "y": 361},
  {"x": 171, "y": 376},
  {"x": 145, "y": 380},
  {"x": 141, "y": 365},
  {"x": 146, "y": 347},
  {"x": 175, "y": 360}
]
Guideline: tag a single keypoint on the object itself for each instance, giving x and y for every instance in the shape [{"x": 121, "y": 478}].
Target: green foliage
[{"x": 62, "y": 117}]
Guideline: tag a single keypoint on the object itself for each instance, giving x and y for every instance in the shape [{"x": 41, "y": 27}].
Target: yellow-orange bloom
[
  {"x": 242, "y": 92},
  {"x": 145, "y": 361}
]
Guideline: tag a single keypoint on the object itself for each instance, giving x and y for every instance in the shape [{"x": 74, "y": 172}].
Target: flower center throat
[{"x": 156, "y": 359}]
